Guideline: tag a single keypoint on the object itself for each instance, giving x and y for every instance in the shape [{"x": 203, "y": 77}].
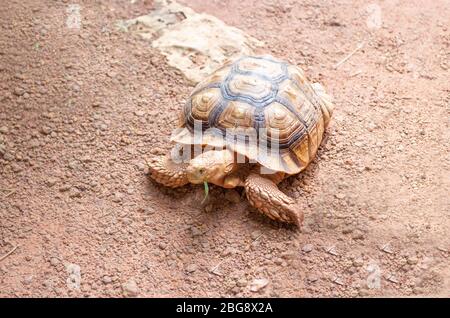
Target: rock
[
  {"x": 54, "y": 261},
  {"x": 139, "y": 113},
  {"x": 235, "y": 290},
  {"x": 8, "y": 157},
  {"x": 312, "y": 278},
  {"x": 106, "y": 279},
  {"x": 412, "y": 260},
  {"x": 358, "y": 235},
  {"x": 340, "y": 196},
  {"x": 75, "y": 193},
  {"x": 28, "y": 280},
  {"x": 358, "y": 262},
  {"x": 65, "y": 187},
  {"x": 258, "y": 284},
  {"x": 130, "y": 288},
  {"x": 4, "y": 130},
  {"x": 51, "y": 181},
  {"x": 242, "y": 282},
  {"x": 46, "y": 130},
  {"x": 162, "y": 245},
  {"x": 191, "y": 268},
  {"x": 74, "y": 279},
  {"x": 73, "y": 164},
  {"x": 15, "y": 167},
  {"x": 232, "y": 196},
  {"x": 18, "y": 91},
  {"x": 228, "y": 251},
  {"x": 347, "y": 230},
  {"x": 196, "y": 44},
  {"x": 117, "y": 197},
  {"x": 307, "y": 248}
]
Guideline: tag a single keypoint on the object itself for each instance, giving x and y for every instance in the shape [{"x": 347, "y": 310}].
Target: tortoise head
[{"x": 211, "y": 166}]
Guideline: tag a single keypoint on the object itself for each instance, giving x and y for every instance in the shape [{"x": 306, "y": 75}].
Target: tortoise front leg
[
  {"x": 264, "y": 195},
  {"x": 163, "y": 170}
]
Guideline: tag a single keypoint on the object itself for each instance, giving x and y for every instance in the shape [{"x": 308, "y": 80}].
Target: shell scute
[{"x": 257, "y": 92}]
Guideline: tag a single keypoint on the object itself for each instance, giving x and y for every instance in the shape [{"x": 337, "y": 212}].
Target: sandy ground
[{"x": 81, "y": 109}]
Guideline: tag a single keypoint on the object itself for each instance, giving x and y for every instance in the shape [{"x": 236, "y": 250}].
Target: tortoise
[{"x": 251, "y": 98}]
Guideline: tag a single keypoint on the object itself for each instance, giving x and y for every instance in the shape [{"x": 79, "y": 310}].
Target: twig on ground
[
  {"x": 359, "y": 47},
  {"x": 9, "y": 253}
]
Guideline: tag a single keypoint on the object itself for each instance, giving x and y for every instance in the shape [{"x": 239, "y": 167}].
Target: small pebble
[
  {"x": 258, "y": 284},
  {"x": 106, "y": 279},
  {"x": 191, "y": 268},
  {"x": 307, "y": 248},
  {"x": 130, "y": 289}
]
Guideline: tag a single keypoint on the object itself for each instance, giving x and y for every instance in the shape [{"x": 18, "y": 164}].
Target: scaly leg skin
[
  {"x": 264, "y": 195},
  {"x": 163, "y": 170}
]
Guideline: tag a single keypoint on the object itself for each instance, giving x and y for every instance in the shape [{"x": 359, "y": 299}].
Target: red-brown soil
[{"x": 81, "y": 109}]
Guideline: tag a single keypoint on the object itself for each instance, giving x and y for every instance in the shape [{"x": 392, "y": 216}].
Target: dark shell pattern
[{"x": 261, "y": 92}]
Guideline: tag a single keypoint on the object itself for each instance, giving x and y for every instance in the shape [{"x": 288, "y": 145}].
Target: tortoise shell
[{"x": 263, "y": 98}]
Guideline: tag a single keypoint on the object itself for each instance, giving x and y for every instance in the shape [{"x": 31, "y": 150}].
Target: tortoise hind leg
[
  {"x": 264, "y": 195},
  {"x": 163, "y": 170}
]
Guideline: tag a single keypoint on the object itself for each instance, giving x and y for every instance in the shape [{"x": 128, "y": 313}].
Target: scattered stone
[
  {"x": 338, "y": 281},
  {"x": 387, "y": 248},
  {"x": 4, "y": 130},
  {"x": 191, "y": 268},
  {"x": 228, "y": 251},
  {"x": 46, "y": 130},
  {"x": 139, "y": 113},
  {"x": 242, "y": 282},
  {"x": 340, "y": 196},
  {"x": 393, "y": 279},
  {"x": 75, "y": 193},
  {"x": 106, "y": 279},
  {"x": 73, "y": 165},
  {"x": 258, "y": 284},
  {"x": 347, "y": 230},
  {"x": 8, "y": 157},
  {"x": 18, "y": 91},
  {"x": 74, "y": 279},
  {"x": 307, "y": 248},
  {"x": 118, "y": 196},
  {"x": 332, "y": 250},
  {"x": 15, "y": 167},
  {"x": 235, "y": 290},
  {"x": 51, "y": 181},
  {"x": 65, "y": 187},
  {"x": 28, "y": 280},
  {"x": 312, "y": 278},
  {"x": 233, "y": 196},
  {"x": 412, "y": 260},
  {"x": 130, "y": 289},
  {"x": 358, "y": 235},
  {"x": 54, "y": 261},
  {"x": 162, "y": 245},
  {"x": 358, "y": 262}
]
